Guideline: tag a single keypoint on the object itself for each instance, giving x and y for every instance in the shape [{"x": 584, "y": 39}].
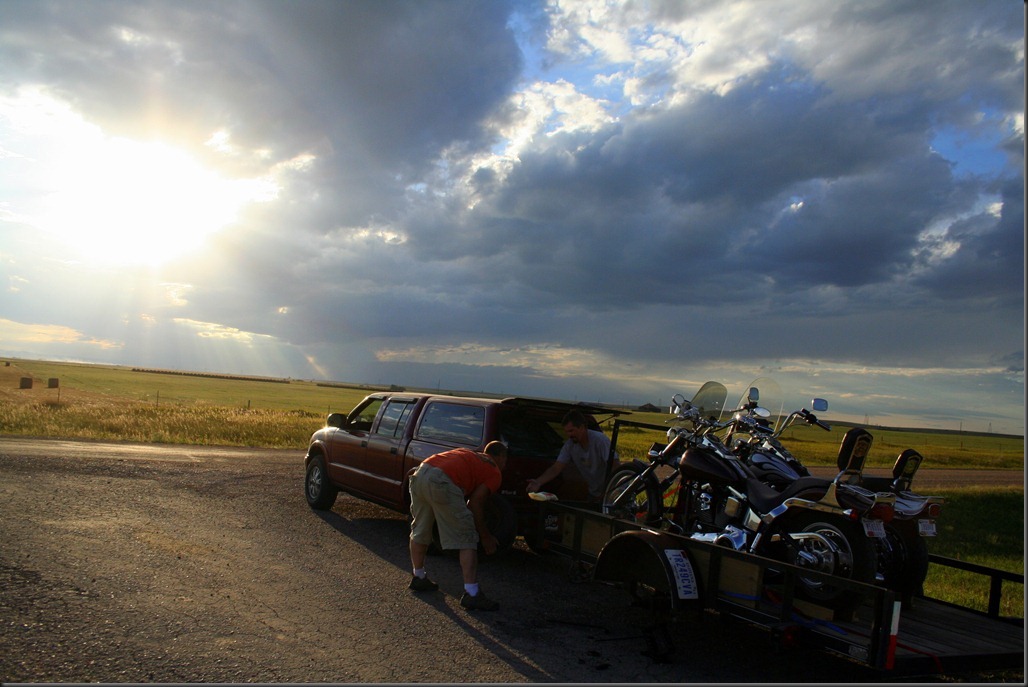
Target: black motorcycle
[
  {"x": 902, "y": 551},
  {"x": 694, "y": 485}
]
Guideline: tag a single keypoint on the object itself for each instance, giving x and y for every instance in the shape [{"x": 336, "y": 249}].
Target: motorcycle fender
[
  {"x": 640, "y": 464},
  {"x": 653, "y": 559}
]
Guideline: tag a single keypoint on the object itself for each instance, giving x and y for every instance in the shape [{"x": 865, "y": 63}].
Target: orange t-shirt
[{"x": 467, "y": 469}]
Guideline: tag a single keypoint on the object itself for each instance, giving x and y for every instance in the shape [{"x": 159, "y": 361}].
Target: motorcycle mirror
[
  {"x": 819, "y": 404},
  {"x": 754, "y": 394},
  {"x": 677, "y": 402}
]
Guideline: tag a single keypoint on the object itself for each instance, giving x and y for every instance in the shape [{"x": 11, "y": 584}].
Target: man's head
[
  {"x": 497, "y": 452},
  {"x": 575, "y": 426}
]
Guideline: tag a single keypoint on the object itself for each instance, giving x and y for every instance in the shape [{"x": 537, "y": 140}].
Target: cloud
[
  {"x": 597, "y": 198},
  {"x": 49, "y": 336}
]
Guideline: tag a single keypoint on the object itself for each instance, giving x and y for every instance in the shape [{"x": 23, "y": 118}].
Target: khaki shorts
[{"x": 436, "y": 500}]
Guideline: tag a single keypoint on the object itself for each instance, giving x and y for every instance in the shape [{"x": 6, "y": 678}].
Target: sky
[{"x": 581, "y": 200}]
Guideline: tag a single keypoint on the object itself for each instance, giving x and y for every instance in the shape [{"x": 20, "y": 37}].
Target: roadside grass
[{"x": 984, "y": 526}]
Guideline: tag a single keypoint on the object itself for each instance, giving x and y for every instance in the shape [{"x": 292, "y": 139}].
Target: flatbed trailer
[{"x": 674, "y": 575}]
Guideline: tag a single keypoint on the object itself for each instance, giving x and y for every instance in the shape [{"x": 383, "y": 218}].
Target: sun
[
  {"x": 128, "y": 202},
  {"x": 119, "y": 201}
]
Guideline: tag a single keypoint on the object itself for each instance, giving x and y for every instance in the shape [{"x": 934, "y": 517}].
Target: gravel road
[{"x": 138, "y": 563}]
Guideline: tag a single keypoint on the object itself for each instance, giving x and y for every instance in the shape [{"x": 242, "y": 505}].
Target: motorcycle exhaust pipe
[{"x": 731, "y": 537}]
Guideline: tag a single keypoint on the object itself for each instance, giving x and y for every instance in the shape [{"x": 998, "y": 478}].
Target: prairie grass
[
  {"x": 200, "y": 424},
  {"x": 815, "y": 447},
  {"x": 983, "y": 526}
]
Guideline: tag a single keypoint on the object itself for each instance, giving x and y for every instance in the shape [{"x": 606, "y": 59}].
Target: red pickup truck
[{"x": 370, "y": 452}]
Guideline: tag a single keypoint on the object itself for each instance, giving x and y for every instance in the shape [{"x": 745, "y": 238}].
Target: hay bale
[{"x": 26, "y": 382}]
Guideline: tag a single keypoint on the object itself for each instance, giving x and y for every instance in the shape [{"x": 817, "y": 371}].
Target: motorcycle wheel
[
  {"x": 830, "y": 545},
  {"x": 644, "y": 505},
  {"x": 903, "y": 560}
]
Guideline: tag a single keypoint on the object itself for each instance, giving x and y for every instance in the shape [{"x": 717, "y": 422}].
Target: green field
[
  {"x": 814, "y": 446},
  {"x": 116, "y": 403},
  {"x": 179, "y": 408}
]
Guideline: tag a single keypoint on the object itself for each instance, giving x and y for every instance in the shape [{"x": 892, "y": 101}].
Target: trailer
[{"x": 675, "y": 576}]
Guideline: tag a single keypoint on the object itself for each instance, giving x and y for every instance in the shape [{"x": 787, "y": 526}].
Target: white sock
[
  {"x": 420, "y": 572},
  {"x": 472, "y": 588}
]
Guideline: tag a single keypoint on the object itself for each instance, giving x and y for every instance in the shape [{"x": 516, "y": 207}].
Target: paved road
[{"x": 137, "y": 563}]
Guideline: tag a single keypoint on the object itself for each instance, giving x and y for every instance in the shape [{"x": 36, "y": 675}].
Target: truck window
[
  {"x": 394, "y": 418},
  {"x": 453, "y": 423},
  {"x": 530, "y": 435},
  {"x": 361, "y": 417}
]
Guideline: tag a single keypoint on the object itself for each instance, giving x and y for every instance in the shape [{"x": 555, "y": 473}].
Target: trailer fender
[{"x": 652, "y": 565}]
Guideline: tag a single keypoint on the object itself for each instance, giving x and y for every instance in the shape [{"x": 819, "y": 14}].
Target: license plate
[
  {"x": 874, "y": 528},
  {"x": 926, "y": 528}
]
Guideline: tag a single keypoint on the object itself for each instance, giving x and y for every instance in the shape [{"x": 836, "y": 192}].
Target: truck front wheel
[{"x": 321, "y": 494}]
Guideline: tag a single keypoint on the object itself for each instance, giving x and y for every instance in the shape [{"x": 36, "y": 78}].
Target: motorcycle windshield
[
  {"x": 710, "y": 400},
  {"x": 771, "y": 398}
]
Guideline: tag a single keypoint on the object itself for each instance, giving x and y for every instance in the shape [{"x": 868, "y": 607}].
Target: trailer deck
[{"x": 675, "y": 575}]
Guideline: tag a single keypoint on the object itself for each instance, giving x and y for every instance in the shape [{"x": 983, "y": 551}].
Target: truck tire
[
  {"x": 321, "y": 494},
  {"x": 502, "y": 522}
]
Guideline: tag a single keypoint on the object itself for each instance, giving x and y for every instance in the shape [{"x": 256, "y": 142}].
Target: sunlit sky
[{"x": 582, "y": 200}]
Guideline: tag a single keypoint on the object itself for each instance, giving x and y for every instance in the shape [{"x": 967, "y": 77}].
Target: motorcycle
[
  {"x": 902, "y": 551},
  {"x": 714, "y": 496}
]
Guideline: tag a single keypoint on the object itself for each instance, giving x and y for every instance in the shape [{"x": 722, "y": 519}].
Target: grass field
[
  {"x": 116, "y": 403},
  {"x": 814, "y": 446}
]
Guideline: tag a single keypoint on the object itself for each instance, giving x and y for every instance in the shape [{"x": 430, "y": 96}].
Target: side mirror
[
  {"x": 677, "y": 402},
  {"x": 337, "y": 420},
  {"x": 819, "y": 405},
  {"x": 753, "y": 395}
]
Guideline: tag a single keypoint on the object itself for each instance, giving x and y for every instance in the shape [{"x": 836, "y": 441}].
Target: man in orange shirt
[{"x": 450, "y": 489}]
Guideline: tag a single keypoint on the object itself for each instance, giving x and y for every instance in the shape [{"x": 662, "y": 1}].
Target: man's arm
[
  {"x": 476, "y": 504},
  {"x": 548, "y": 474}
]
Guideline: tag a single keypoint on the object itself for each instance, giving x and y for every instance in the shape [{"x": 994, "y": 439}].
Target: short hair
[
  {"x": 495, "y": 449},
  {"x": 575, "y": 418}
]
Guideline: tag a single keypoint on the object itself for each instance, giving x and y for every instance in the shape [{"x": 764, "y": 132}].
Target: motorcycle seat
[{"x": 764, "y": 498}]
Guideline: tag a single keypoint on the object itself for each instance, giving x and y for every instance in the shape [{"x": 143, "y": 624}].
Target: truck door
[
  {"x": 347, "y": 448},
  {"x": 384, "y": 460}
]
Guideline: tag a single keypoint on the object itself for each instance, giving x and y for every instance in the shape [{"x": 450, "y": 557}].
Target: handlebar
[{"x": 811, "y": 419}]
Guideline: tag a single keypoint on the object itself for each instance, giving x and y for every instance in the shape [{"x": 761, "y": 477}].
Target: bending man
[{"x": 451, "y": 489}]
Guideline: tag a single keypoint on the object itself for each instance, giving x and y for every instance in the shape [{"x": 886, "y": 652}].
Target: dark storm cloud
[{"x": 766, "y": 181}]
